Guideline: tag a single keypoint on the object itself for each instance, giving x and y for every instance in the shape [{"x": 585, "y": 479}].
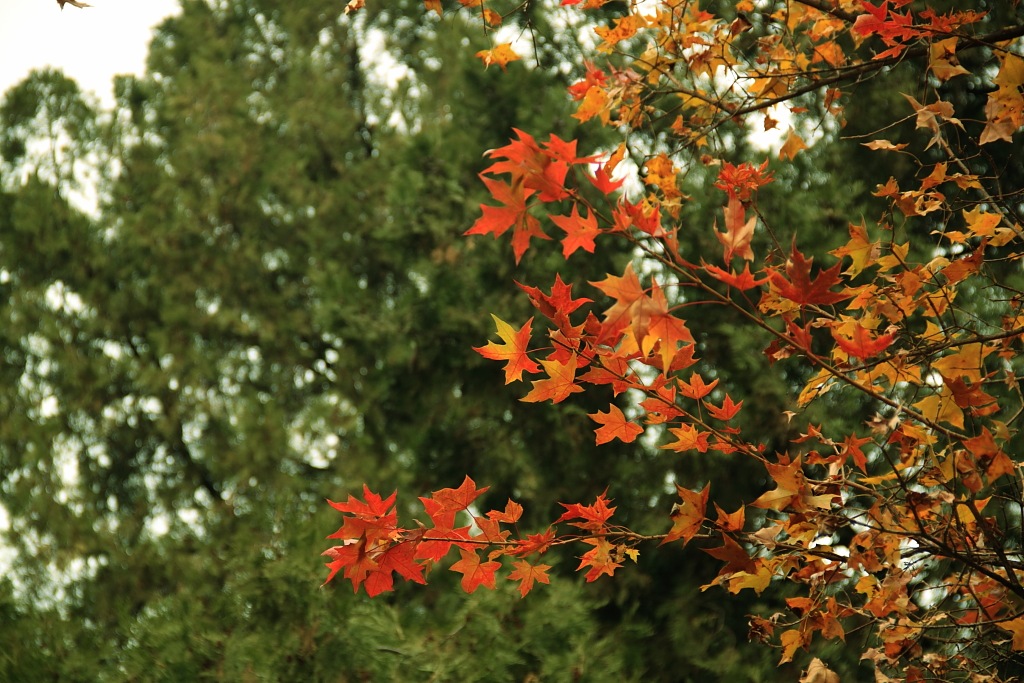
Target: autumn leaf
[
  {"x": 743, "y": 281},
  {"x": 560, "y": 383},
  {"x": 696, "y": 388},
  {"x": 510, "y": 515},
  {"x": 791, "y": 641},
  {"x": 580, "y": 231},
  {"x": 732, "y": 553},
  {"x": 738, "y": 232},
  {"x": 500, "y": 54},
  {"x": 527, "y": 574},
  {"x": 558, "y": 303},
  {"x": 792, "y": 144},
  {"x": 512, "y": 350},
  {"x": 593, "y": 517},
  {"x": 860, "y": 249},
  {"x": 730, "y": 522},
  {"x": 474, "y": 572},
  {"x": 687, "y": 515},
  {"x": 863, "y": 344},
  {"x": 630, "y": 300},
  {"x": 687, "y": 438},
  {"x": 727, "y": 411},
  {"x": 534, "y": 543},
  {"x": 496, "y": 220},
  {"x": 1016, "y": 627},
  {"x": 851, "y": 447},
  {"x": 374, "y": 506},
  {"x": 599, "y": 559},
  {"x": 800, "y": 288},
  {"x": 789, "y": 485},
  {"x": 615, "y": 425},
  {"x": 458, "y": 499}
]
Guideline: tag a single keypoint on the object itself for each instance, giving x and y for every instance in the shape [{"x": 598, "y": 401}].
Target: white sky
[{"x": 90, "y": 45}]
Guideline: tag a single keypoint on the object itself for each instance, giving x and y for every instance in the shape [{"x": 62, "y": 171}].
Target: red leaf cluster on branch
[{"x": 908, "y": 526}]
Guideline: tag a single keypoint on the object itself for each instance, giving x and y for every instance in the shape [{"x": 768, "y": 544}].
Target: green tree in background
[{"x": 273, "y": 304}]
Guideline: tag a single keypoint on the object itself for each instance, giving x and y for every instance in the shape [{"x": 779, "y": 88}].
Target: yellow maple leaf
[
  {"x": 793, "y": 144},
  {"x": 500, "y": 54}
]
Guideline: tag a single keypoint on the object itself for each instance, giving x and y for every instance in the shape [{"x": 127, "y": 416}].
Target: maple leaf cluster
[
  {"x": 374, "y": 548},
  {"x": 909, "y": 526}
]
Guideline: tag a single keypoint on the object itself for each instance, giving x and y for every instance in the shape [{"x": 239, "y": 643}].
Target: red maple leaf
[
  {"x": 612, "y": 370},
  {"x": 534, "y": 543},
  {"x": 457, "y": 499},
  {"x": 741, "y": 181},
  {"x": 474, "y": 572},
  {"x": 594, "y": 517},
  {"x": 581, "y": 231},
  {"x": 372, "y": 566},
  {"x": 800, "y": 288},
  {"x": 593, "y": 77},
  {"x": 496, "y": 220},
  {"x": 537, "y": 169},
  {"x": 510, "y": 515},
  {"x": 732, "y": 553},
  {"x": 742, "y": 282},
  {"x": 435, "y": 543},
  {"x": 895, "y": 30},
  {"x": 558, "y": 303},
  {"x": 513, "y": 350},
  {"x": 603, "y": 182},
  {"x": 374, "y": 506}
]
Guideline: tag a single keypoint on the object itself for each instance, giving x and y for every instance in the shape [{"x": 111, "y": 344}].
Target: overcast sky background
[{"x": 90, "y": 45}]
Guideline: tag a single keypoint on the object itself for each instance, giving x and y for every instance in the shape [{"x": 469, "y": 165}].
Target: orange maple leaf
[
  {"x": 510, "y": 515},
  {"x": 738, "y": 233},
  {"x": 863, "y": 344},
  {"x": 458, "y": 499},
  {"x": 581, "y": 231},
  {"x": 500, "y": 54},
  {"x": 527, "y": 574},
  {"x": 696, "y": 388},
  {"x": 600, "y": 559},
  {"x": 731, "y": 521},
  {"x": 513, "y": 350},
  {"x": 687, "y": 515},
  {"x": 742, "y": 281},
  {"x": 474, "y": 572},
  {"x": 727, "y": 411},
  {"x": 534, "y": 543},
  {"x": 687, "y": 437},
  {"x": 496, "y": 220},
  {"x": 614, "y": 425},
  {"x": 560, "y": 383}
]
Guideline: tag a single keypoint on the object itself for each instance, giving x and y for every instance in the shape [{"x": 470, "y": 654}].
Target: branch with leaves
[{"x": 909, "y": 527}]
